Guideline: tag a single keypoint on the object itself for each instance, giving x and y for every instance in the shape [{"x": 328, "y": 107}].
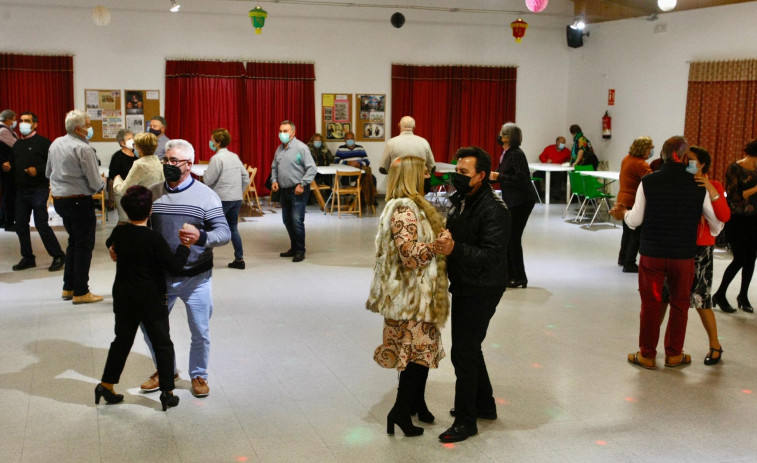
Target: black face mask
[
  {"x": 462, "y": 184},
  {"x": 500, "y": 141},
  {"x": 155, "y": 132},
  {"x": 171, "y": 172}
]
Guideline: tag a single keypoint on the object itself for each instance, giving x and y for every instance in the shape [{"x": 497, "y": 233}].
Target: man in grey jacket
[{"x": 292, "y": 171}]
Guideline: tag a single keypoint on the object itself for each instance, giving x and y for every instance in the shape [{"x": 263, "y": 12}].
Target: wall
[
  {"x": 353, "y": 48},
  {"x": 649, "y": 72}
]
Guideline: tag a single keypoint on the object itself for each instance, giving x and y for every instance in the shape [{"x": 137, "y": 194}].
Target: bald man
[{"x": 406, "y": 144}]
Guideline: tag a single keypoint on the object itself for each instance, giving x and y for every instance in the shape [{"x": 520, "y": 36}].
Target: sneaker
[
  {"x": 237, "y": 264},
  {"x": 67, "y": 295},
  {"x": 58, "y": 263},
  {"x": 24, "y": 264},
  {"x": 153, "y": 382},
  {"x": 87, "y": 298},
  {"x": 200, "y": 387},
  {"x": 289, "y": 253}
]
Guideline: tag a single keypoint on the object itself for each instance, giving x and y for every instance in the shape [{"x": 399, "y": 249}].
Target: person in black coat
[
  {"x": 139, "y": 294},
  {"x": 475, "y": 243}
]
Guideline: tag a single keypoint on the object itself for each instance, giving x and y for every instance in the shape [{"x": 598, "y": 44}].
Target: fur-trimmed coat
[{"x": 402, "y": 293}]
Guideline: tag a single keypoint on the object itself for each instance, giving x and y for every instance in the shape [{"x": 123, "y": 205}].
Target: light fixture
[
  {"x": 666, "y": 5},
  {"x": 174, "y": 6},
  {"x": 578, "y": 24}
]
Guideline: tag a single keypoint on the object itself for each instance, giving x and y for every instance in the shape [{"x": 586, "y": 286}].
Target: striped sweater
[{"x": 196, "y": 204}]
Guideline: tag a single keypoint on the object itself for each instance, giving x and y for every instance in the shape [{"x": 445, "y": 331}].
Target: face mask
[
  {"x": 500, "y": 142},
  {"x": 651, "y": 152},
  {"x": 25, "y": 128},
  {"x": 13, "y": 126},
  {"x": 171, "y": 172},
  {"x": 155, "y": 132},
  {"x": 560, "y": 146},
  {"x": 90, "y": 133},
  {"x": 212, "y": 146},
  {"x": 130, "y": 144},
  {"x": 462, "y": 184},
  {"x": 284, "y": 137},
  {"x": 350, "y": 143},
  {"x": 317, "y": 144},
  {"x": 692, "y": 167}
]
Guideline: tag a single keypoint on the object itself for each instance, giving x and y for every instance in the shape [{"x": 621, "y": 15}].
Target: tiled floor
[{"x": 292, "y": 377}]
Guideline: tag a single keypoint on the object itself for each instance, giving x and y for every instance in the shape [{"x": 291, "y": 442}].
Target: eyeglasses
[{"x": 174, "y": 161}]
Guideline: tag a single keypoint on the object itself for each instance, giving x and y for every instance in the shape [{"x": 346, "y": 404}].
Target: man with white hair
[
  {"x": 407, "y": 144},
  {"x": 7, "y": 139},
  {"x": 74, "y": 178},
  {"x": 181, "y": 203}
]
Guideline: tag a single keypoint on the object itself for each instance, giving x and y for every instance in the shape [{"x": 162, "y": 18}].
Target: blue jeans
[
  {"x": 80, "y": 222},
  {"x": 293, "y": 215},
  {"x": 195, "y": 292},
  {"x": 231, "y": 211},
  {"x": 30, "y": 201}
]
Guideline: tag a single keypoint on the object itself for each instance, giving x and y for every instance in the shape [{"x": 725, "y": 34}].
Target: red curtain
[
  {"x": 202, "y": 96},
  {"x": 43, "y": 85},
  {"x": 454, "y": 106},
  {"x": 721, "y": 110},
  {"x": 276, "y": 92}
]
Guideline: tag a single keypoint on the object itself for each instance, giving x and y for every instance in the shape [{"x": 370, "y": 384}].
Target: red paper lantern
[
  {"x": 519, "y": 27},
  {"x": 537, "y": 6}
]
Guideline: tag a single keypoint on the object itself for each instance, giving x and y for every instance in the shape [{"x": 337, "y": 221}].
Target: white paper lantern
[
  {"x": 101, "y": 15},
  {"x": 666, "y": 5}
]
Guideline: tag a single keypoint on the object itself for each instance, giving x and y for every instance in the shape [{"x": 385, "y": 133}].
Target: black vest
[
  {"x": 671, "y": 217},
  {"x": 5, "y": 150}
]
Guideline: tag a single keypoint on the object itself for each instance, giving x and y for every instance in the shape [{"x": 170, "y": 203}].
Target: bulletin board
[
  {"x": 336, "y": 116},
  {"x": 370, "y": 111},
  {"x": 140, "y": 106},
  {"x": 104, "y": 110}
]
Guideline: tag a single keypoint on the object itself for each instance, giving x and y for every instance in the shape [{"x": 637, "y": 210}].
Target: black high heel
[
  {"x": 720, "y": 300},
  {"x": 167, "y": 399},
  {"x": 404, "y": 422},
  {"x": 110, "y": 396},
  {"x": 516, "y": 283},
  {"x": 743, "y": 303}
]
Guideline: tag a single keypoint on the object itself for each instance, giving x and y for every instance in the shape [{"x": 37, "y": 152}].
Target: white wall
[{"x": 649, "y": 72}]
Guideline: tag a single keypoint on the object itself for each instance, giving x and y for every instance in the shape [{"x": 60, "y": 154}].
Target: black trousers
[
  {"x": 80, "y": 222},
  {"x": 741, "y": 232},
  {"x": 516, "y": 269},
  {"x": 470, "y": 320},
  {"x": 629, "y": 245},
  {"x": 158, "y": 332}
]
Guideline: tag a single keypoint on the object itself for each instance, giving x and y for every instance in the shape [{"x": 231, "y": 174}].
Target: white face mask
[{"x": 130, "y": 143}]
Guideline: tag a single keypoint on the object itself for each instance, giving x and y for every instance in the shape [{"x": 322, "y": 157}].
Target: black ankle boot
[
  {"x": 720, "y": 300},
  {"x": 167, "y": 399},
  {"x": 406, "y": 393},
  {"x": 402, "y": 420},
  {"x": 743, "y": 303}
]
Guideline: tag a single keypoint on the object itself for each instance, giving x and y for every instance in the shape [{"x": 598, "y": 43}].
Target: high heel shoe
[
  {"x": 720, "y": 300},
  {"x": 424, "y": 414},
  {"x": 515, "y": 283},
  {"x": 744, "y": 304},
  {"x": 404, "y": 422},
  {"x": 710, "y": 360},
  {"x": 110, "y": 396},
  {"x": 167, "y": 399}
]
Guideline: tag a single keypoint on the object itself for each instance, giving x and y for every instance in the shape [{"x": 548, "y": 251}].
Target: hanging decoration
[
  {"x": 536, "y": 6},
  {"x": 398, "y": 19},
  {"x": 519, "y": 27},
  {"x": 101, "y": 15},
  {"x": 257, "y": 16}
]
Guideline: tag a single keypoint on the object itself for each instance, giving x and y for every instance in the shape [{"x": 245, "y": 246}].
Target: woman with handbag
[{"x": 410, "y": 290}]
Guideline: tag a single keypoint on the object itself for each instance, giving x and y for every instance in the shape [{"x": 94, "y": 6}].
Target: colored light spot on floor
[
  {"x": 502, "y": 401},
  {"x": 357, "y": 436},
  {"x": 601, "y": 442},
  {"x": 746, "y": 391},
  {"x": 495, "y": 345},
  {"x": 242, "y": 458},
  {"x": 551, "y": 327},
  {"x": 630, "y": 399},
  {"x": 449, "y": 446},
  {"x": 535, "y": 365}
]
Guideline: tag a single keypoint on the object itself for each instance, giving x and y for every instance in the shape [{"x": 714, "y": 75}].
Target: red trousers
[{"x": 653, "y": 271}]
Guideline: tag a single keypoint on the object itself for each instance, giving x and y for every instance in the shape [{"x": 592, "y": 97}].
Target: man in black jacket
[{"x": 476, "y": 246}]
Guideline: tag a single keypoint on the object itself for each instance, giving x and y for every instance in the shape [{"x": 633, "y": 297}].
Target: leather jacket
[{"x": 481, "y": 232}]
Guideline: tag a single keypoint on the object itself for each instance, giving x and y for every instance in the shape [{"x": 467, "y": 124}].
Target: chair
[
  {"x": 584, "y": 168},
  {"x": 251, "y": 191},
  {"x": 439, "y": 183},
  {"x": 100, "y": 196},
  {"x": 349, "y": 190},
  {"x": 577, "y": 187},
  {"x": 533, "y": 182},
  {"x": 593, "y": 191}
]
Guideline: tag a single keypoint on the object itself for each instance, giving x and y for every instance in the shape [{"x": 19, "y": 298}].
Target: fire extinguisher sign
[{"x": 611, "y": 97}]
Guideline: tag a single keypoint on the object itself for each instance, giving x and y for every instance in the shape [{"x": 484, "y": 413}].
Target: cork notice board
[
  {"x": 337, "y": 115},
  {"x": 141, "y": 106},
  {"x": 104, "y": 109}
]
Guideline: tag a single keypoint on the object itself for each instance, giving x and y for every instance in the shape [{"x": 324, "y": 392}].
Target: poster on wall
[
  {"x": 141, "y": 106},
  {"x": 370, "y": 120},
  {"x": 336, "y": 117},
  {"x": 104, "y": 110}
]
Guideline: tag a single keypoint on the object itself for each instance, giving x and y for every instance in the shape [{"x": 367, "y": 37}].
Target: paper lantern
[
  {"x": 537, "y": 6},
  {"x": 666, "y": 5},
  {"x": 101, "y": 15},
  {"x": 398, "y": 19},
  {"x": 257, "y": 16},
  {"x": 519, "y": 27}
]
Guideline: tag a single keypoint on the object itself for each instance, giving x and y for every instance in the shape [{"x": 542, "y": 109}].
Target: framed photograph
[
  {"x": 371, "y": 111},
  {"x": 336, "y": 116}
]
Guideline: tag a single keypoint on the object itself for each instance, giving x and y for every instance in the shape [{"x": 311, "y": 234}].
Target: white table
[
  {"x": 199, "y": 169},
  {"x": 603, "y": 174},
  {"x": 444, "y": 168},
  {"x": 549, "y": 167},
  {"x": 331, "y": 169}
]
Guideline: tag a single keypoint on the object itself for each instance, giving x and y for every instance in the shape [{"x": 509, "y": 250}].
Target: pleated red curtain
[
  {"x": 276, "y": 92},
  {"x": 43, "y": 85},
  {"x": 454, "y": 106},
  {"x": 721, "y": 110},
  {"x": 202, "y": 96}
]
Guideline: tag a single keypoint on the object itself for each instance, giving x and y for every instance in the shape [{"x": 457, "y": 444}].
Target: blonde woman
[
  {"x": 410, "y": 290},
  {"x": 146, "y": 171}
]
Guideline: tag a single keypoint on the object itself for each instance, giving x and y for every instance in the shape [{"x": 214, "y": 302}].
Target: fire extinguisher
[{"x": 606, "y": 125}]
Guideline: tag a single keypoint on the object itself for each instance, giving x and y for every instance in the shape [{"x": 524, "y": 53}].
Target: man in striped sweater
[{"x": 181, "y": 203}]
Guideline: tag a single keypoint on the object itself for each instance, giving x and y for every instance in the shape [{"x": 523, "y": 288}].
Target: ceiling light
[
  {"x": 666, "y": 5},
  {"x": 578, "y": 24},
  {"x": 174, "y": 6}
]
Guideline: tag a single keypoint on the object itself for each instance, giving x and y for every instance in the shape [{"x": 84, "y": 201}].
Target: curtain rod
[
  {"x": 233, "y": 60},
  {"x": 455, "y": 65}
]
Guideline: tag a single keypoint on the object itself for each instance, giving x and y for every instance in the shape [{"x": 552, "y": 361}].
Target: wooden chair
[
  {"x": 252, "y": 192},
  {"x": 347, "y": 190},
  {"x": 100, "y": 196}
]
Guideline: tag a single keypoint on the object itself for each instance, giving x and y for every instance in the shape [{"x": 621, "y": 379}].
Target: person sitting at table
[
  {"x": 555, "y": 154},
  {"x": 354, "y": 155},
  {"x": 146, "y": 171},
  {"x": 633, "y": 167},
  {"x": 322, "y": 156}
]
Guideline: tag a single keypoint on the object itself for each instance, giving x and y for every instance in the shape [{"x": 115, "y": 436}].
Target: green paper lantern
[{"x": 257, "y": 16}]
